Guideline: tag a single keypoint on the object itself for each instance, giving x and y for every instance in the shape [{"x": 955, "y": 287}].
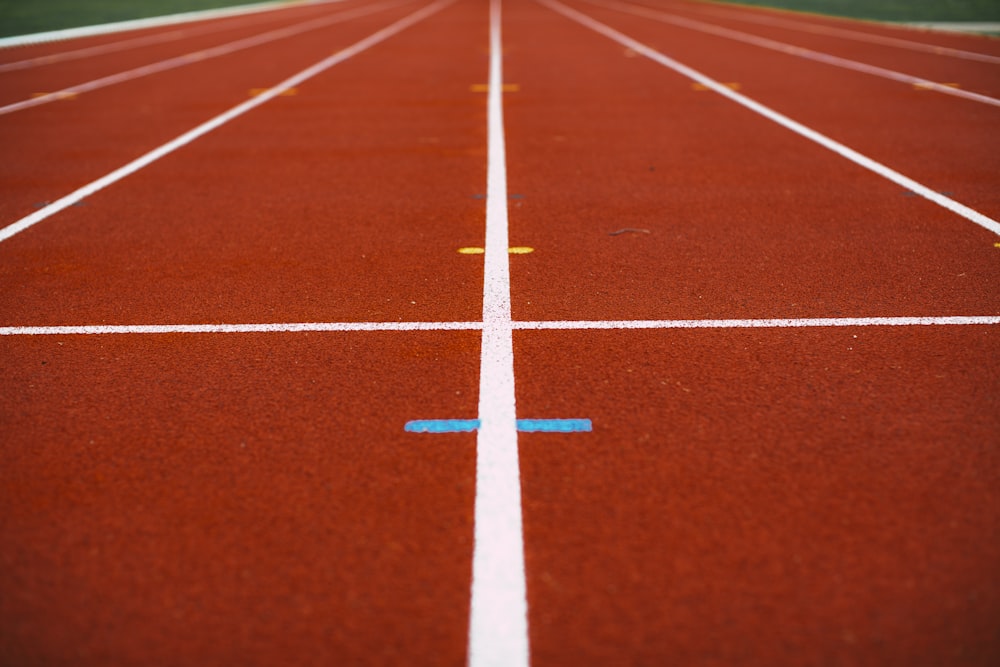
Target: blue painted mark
[
  {"x": 554, "y": 425},
  {"x": 524, "y": 425},
  {"x": 442, "y": 425}
]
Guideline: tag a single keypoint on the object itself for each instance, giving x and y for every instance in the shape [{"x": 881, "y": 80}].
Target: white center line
[
  {"x": 840, "y": 149},
  {"x": 498, "y": 614},
  {"x": 220, "y": 120}
]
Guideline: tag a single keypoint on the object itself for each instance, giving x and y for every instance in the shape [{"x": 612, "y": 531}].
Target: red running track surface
[{"x": 758, "y": 496}]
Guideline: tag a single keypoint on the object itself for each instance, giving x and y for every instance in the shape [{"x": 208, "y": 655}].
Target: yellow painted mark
[
  {"x": 68, "y": 95},
  {"x": 485, "y": 87},
  {"x": 254, "y": 92},
  {"x": 516, "y": 250},
  {"x": 927, "y": 86},
  {"x": 702, "y": 87},
  {"x": 996, "y": 245}
]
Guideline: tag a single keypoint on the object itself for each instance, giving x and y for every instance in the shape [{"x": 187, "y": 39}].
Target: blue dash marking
[
  {"x": 442, "y": 425},
  {"x": 554, "y": 425},
  {"x": 524, "y": 425}
]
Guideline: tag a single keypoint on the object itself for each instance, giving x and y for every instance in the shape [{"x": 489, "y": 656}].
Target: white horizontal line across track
[
  {"x": 153, "y": 22},
  {"x": 565, "y": 325},
  {"x": 798, "y": 128}
]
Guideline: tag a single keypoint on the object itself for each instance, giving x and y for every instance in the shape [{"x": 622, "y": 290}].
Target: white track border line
[
  {"x": 751, "y": 16},
  {"x": 498, "y": 609},
  {"x": 132, "y": 43},
  {"x": 791, "y": 49},
  {"x": 223, "y": 118},
  {"x": 153, "y": 22},
  {"x": 199, "y": 56},
  {"x": 541, "y": 325},
  {"x": 840, "y": 149}
]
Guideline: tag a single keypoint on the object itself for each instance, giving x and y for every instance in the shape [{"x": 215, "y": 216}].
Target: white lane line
[
  {"x": 856, "y": 35},
  {"x": 781, "y": 323},
  {"x": 196, "y": 56},
  {"x": 498, "y": 611},
  {"x": 798, "y": 51},
  {"x": 955, "y": 26},
  {"x": 223, "y": 118},
  {"x": 252, "y": 18},
  {"x": 539, "y": 325},
  {"x": 153, "y": 22},
  {"x": 786, "y": 122},
  {"x": 276, "y": 327}
]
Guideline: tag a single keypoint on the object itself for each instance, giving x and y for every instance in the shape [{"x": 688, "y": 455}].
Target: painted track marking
[
  {"x": 523, "y": 425},
  {"x": 251, "y": 17},
  {"x": 855, "y": 35},
  {"x": 849, "y": 153},
  {"x": 798, "y": 51},
  {"x": 775, "y": 323},
  {"x": 568, "y": 325},
  {"x": 220, "y": 120},
  {"x": 153, "y": 22},
  {"x": 498, "y": 610},
  {"x": 195, "y": 57}
]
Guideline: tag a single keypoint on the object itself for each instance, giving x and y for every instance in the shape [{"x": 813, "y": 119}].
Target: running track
[{"x": 765, "y": 280}]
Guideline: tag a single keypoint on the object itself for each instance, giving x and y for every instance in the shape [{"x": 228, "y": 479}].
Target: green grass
[
  {"x": 20, "y": 17},
  {"x": 894, "y": 10}
]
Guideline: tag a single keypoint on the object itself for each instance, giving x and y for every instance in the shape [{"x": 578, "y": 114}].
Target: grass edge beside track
[
  {"x": 22, "y": 18},
  {"x": 95, "y": 26},
  {"x": 882, "y": 10}
]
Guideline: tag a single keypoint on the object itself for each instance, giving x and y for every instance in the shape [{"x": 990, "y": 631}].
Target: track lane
[
  {"x": 761, "y": 497},
  {"x": 74, "y": 79},
  {"x": 963, "y": 77},
  {"x": 220, "y": 500},
  {"x": 138, "y": 37},
  {"x": 960, "y": 161},
  {"x": 51, "y": 153},
  {"x": 570, "y": 620},
  {"x": 728, "y": 197},
  {"x": 377, "y": 161},
  {"x": 952, "y": 44},
  {"x": 295, "y": 546}
]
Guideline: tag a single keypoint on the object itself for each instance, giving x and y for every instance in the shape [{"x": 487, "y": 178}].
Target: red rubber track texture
[
  {"x": 756, "y": 497},
  {"x": 22, "y": 84},
  {"x": 53, "y": 149},
  {"x": 966, "y": 42},
  {"x": 764, "y": 497},
  {"x": 976, "y": 76},
  {"x": 855, "y": 108},
  {"x": 181, "y": 31},
  {"x": 372, "y": 164},
  {"x": 254, "y": 499},
  {"x": 600, "y": 141}
]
